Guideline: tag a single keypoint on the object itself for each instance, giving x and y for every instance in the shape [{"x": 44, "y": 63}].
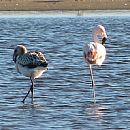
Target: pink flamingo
[{"x": 95, "y": 52}]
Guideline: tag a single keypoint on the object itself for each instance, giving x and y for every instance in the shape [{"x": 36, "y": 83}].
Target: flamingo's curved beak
[
  {"x": 104, "y": 40},
  {"x": 14, "y": 57}
]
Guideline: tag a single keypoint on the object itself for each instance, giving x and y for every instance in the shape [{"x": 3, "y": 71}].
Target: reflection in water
[
  {"x": 96, "y": 111},
  {"x": 63, "y": 96}
]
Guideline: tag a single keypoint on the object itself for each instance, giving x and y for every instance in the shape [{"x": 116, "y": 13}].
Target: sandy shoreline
[{"x": 46, "y": 5}]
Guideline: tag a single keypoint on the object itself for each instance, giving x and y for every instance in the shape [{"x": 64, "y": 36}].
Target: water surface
[{"x": 63, "y": 95}]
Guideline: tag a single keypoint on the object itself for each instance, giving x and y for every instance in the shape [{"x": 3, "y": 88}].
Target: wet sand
[{"x": 42, "y": 5}]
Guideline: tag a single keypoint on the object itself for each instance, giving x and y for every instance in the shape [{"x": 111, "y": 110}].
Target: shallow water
[{"x": 63, "y": 95}]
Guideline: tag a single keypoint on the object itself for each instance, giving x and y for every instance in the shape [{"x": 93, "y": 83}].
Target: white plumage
[
  {"x": 95, "y": 51},
  {"x": 29, "y": 64}
]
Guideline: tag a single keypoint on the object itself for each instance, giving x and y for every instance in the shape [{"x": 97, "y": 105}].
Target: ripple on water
[{"x": 63, "y": 95}]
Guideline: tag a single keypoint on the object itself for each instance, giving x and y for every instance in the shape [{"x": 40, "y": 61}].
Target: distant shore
[{"x": 47, "y": 5}]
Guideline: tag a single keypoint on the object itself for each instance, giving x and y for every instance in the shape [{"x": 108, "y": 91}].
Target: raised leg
[
  {"x": 93, "y": 83},
  {"x": 26, "y": 94},
  {"x": 31, "y": 89}
]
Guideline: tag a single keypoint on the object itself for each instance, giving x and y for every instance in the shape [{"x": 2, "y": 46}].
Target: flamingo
[
  {"x": 95, "y": 51},
  {"x": 30, "y": 64}
]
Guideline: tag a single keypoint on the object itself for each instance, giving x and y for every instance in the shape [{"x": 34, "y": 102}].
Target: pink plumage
[{"x": 95, "y": 51}]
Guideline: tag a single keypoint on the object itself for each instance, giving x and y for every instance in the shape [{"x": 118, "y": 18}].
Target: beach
[{"x": 45, "y": 5}]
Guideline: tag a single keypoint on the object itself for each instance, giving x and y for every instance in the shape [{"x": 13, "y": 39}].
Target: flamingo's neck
[{"x": 95, "y": 38}]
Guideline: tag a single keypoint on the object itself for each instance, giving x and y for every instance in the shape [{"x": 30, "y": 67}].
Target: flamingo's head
[
  {"x": 19, "y": 50},
  {"x": 100, "y": 31}
]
